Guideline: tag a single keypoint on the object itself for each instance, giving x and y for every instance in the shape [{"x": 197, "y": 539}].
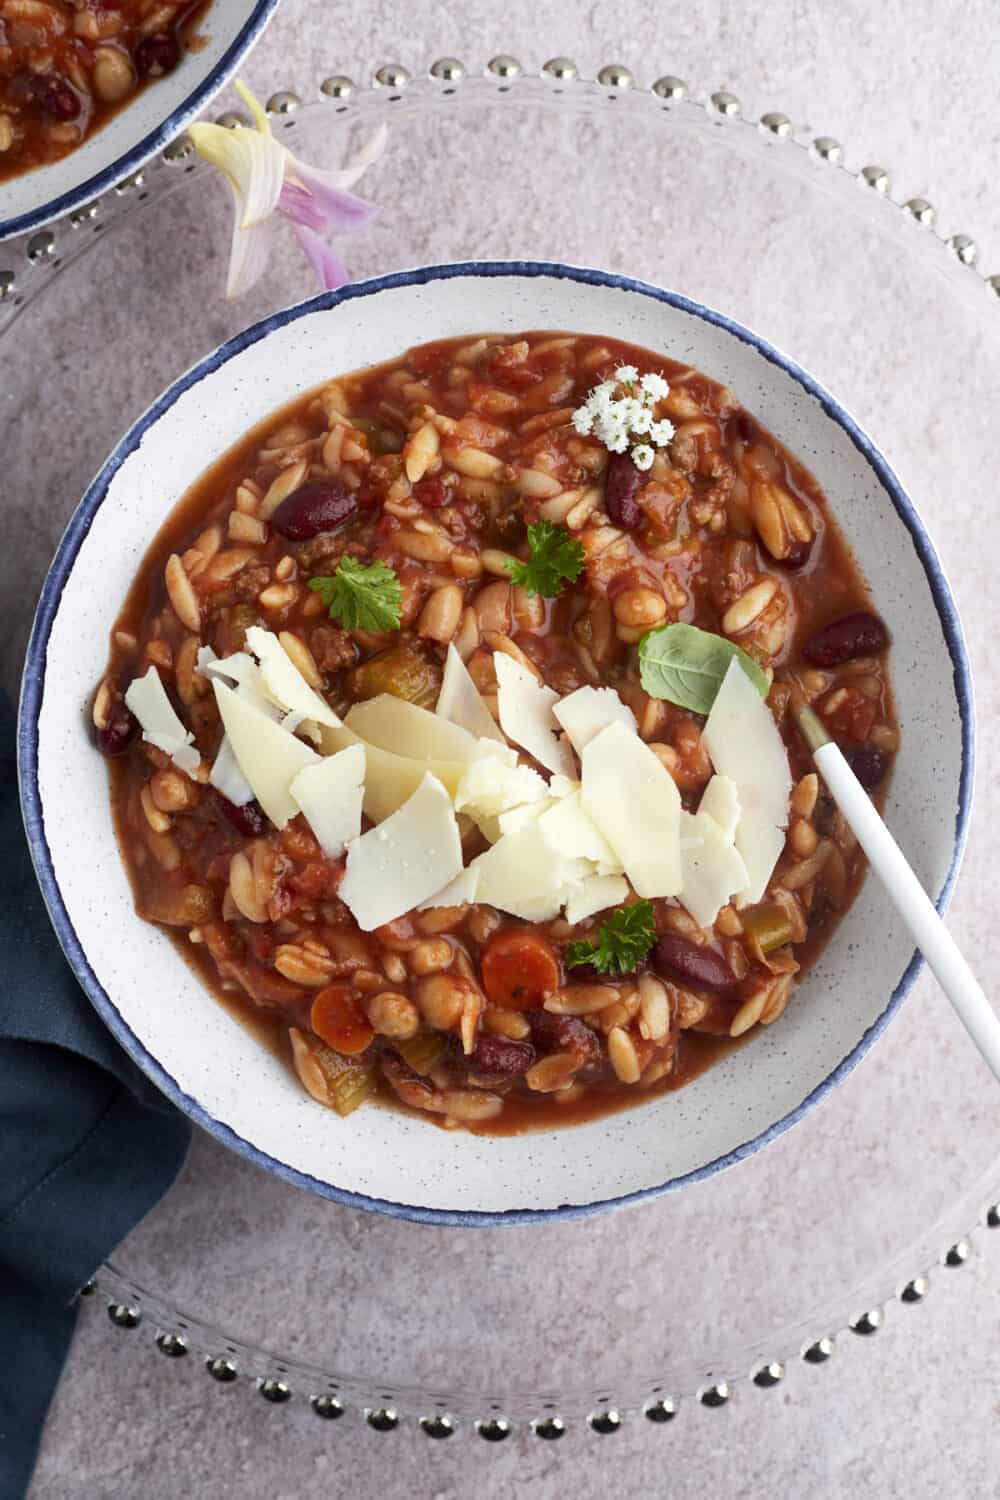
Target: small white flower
[
  {"x": 642, "y": 421},
  {"x": 583, "y": 420},
  {"x": 626, "y": 374},
  {"x": 617, "y": 442},
  {"x": 655, "y": 386},
  {"x": 660, "y": 433},
  {"x": 642, "y": 456},
  {"x": 604, "y": 392}
]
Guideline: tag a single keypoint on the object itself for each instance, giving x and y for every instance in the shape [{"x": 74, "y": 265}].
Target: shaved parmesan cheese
[
  {"x": 523, "y": 874},
  {"x": 147, "y": 699},
  {"x": 526, "y": 715},
  {"x": 489, "y": 788},
  {"x": 405, "y": 729},
  {"x": 391, "y": 779},
  {"x": 330, "y": 796},
  {"x": 227, "y": 777},
  {"x": 284, "y": 682},
  {"x": 576, "y": 836},
  {"x": 520, "y": 817},
  {"x": 720, "y": 801},
  {"x": 269, "y": 757},
  {"x": 633, "y": 800},
  {"x": 586, "y": 712},
  {"x": 712, "y": 868},
  {"x": 743, "y": 740},
  {"x": 240, "y": 668},
  {"x": 460, "y": 892},
  {"x": 460, "y": 702},
  {"x": 405, "y": 860},
  {"x": 595, "y": 893}
]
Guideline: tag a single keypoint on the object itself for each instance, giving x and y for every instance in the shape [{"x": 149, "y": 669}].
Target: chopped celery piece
[{"x": 423, "y": 1052}]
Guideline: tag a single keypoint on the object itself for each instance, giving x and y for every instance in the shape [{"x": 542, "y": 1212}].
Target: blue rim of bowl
[
  {"x": 131, "y": 160},
  {"x": 34, "y": 682}
]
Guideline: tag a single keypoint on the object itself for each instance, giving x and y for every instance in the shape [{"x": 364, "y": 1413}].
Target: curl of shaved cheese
[
  {"x": 461, "y": 703},
  {"x": 577, "y": 836},
  {"x": 712, "y": 867},
  {"x": 147, "y": 699},
  {"x": 489, "y": 788},
  {"x": 524, "y": 875},
  {"x": 520, "y": 817},
  {"x": 241, "y": 669},
  {"x": 269, "y": 757},
  {"x": 459, "y": 892},
  {"x": 586, "y": 712},
  {"x": 595, "y": 893},
  {"x": 526, "y": 715},
  {"x": 227, "y": 777},
  {"x": 284, "y": 682},
  {"x": 406, "y": 729},
  {"x": 405, "y": 860},
  {"x": 743, "y": 740},
  {"x": 720, "y": 801},
  {"x": 633, "y": 800},
  {"x": 330, "y": 796},
  {"x": 390, "y": 779}
]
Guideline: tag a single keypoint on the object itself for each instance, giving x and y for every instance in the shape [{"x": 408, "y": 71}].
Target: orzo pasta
[{"x": 451, "y": 773}]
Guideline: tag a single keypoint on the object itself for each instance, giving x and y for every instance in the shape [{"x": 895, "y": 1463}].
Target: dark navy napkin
[{"x": 87, "y": 1144}]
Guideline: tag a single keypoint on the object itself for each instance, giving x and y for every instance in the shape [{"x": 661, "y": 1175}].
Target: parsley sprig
[
  {"x": 362, "y": 596},
  {"x": 622, "y": 941},
  {"x": 556, "y": 558}
]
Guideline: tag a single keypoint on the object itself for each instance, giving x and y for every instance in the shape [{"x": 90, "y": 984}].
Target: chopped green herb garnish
[
  {"x": 556, "y": 558},
  {"x": 362, "y": 596},
  {"x": 622, "y": 941},
  {"x": 686, "y": 666}
]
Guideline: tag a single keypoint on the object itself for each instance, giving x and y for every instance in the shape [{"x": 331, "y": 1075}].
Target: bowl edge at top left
[{"x": 36, "y": 214}]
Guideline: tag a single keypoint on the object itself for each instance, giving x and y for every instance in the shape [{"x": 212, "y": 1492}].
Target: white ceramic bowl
[
  {"x": 141, "y": 128},
  {"x": 201, "y": 1057}
]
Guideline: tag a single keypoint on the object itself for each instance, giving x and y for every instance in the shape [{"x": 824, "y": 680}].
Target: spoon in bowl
[{"x": 905, "y": 891}]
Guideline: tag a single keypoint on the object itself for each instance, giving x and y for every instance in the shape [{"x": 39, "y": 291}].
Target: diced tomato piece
[
  {"x": 318, "y": 878},
  {"x": 338, "y": 1020},
  {"x": 519, "y": 969}
]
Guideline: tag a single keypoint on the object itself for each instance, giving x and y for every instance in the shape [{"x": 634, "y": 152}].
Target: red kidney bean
[
  {"x": 250, "y": 820},
  {"x": 868, "y": 764},
  {"x": 119, "y": 731},
  {"x": 156, "y": 55},
  {"x": 859, "y": 634},
  {"x": 744, "y": 427},
  {"x": 501, "y": 1057},
  {"x": 312, "y": 509},
  {"x": 621, "y": 485},
  {"x": 552, "y": 1033},
  {"x": 701, "y": 967},
  {"x": 798, "y": 555},
  {"x": 54, "y": 95},
  {"x": 432, "y": 493}
]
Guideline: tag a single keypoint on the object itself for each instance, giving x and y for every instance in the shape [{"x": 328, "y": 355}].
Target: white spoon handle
[{"x": 913, "y": 904}]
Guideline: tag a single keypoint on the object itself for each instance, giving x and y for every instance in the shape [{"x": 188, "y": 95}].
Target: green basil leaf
[{"x": 686, "y": 666}]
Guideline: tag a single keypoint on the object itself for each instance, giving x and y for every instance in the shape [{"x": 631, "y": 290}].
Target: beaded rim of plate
[
  {"x": 387, "y": 1406},
  {"x": 25, "y": 261},
  {"x": 23, "y": 267}
]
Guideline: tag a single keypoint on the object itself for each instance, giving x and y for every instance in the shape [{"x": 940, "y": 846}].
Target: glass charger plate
[{"x": 840, "y": 1223}]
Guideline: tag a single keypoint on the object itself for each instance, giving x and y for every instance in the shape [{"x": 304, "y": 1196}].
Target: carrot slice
[
  {"x": 338, "y": 1020},
  {"x": 519, "y": 969}
]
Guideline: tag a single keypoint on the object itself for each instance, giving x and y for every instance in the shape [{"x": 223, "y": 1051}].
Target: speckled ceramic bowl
[
  {"x": 229, "y": 28},
  {"x": 210, "y": 1066}
]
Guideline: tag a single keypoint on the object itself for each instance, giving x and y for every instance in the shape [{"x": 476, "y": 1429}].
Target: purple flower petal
[
  {"x": 327, "y": 265},
  {"x": 301, "y": 207},
  {"x": 340, "y": 209}
]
